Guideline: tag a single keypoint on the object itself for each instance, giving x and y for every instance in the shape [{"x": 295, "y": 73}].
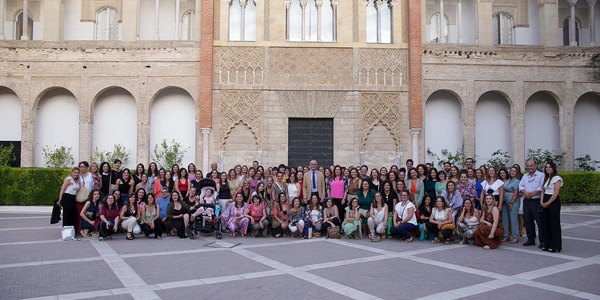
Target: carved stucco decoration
[
  {"x": 311, "y": 104},
  {"x": 383, "y": 67},
  {"x": 384, "y": 109},
  {"x": 239, "y": 65},
  {"x": 241, "y": 107},
  {"x": 311, "y": 66}
]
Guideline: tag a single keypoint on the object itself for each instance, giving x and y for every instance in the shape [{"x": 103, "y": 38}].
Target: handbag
[
  {"x": 68, "y": 233},
  {"x": 82, "y": 194},
  {"x": 333, "y": 232}
]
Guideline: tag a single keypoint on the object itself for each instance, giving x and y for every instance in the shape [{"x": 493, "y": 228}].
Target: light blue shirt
[
  {"x": 163, "y": 203},
  {"x": 532, "y": 183}
]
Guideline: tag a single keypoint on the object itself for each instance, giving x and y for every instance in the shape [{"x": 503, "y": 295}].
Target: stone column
[
  {"x": 243, "y": 5},
  {"x": 378, "y": 4},
  {"x": 334, "y": 6},
  {"x": 25, "y": 24},
  {"x": 156, "y": 19},
  {"x": 441, "y": 38},
  {"x": 205, "y": 164},
  {"x": 177, "y": 21},
  {"x": 318, "y": 4},
  {"x": 287, "y": 19},
  {"x": 572, "y": 26},
  {"x": 415, "y": 75},
  {"x": 548, "y": 15},
  {"x": 592, "y": 4},
  {"x": 415, "y": 145},
  {"x": 2, "y": 12},
  {"x": 459, "y": 21},
  {"x": 303, "y": 9}
]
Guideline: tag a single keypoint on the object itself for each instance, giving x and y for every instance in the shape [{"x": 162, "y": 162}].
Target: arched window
[
  {"x": 566, "y": 31},
  {"x": 187, "y": 26},
  {"x": 434, "y": 29},
  {"x": 311, "y": 21},
  {"x": 242, "y": 20},
  {"x": 503, "y": 29},
  {"x": 19, "y": 27},
  {"x": 107, "y": 24},
  {"x": 379, "y": 21}
]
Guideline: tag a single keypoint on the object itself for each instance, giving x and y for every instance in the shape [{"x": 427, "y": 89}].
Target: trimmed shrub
[
  {"x": 30, "y": 186},
  {"x": 580, "y": 187}
]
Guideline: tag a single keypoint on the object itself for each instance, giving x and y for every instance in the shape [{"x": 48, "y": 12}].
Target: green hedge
[
  {"x": 30, "y": 186},
  {"x": 580, "y": 187},
  {"x": 40, "y": 186}
]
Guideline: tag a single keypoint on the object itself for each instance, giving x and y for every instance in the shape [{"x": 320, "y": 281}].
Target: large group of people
[{"x": 481, "y": 206}]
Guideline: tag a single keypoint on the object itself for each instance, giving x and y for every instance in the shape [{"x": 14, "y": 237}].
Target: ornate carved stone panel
[
  {"x": 383, "y": 67},
  {"x": 311, "y": 104},
  {"x": 311, "y": 66},
  {"x": 241, "y": 107},
  {"x": 239, "y": 65},
  {"x": 381, "y": 109}
]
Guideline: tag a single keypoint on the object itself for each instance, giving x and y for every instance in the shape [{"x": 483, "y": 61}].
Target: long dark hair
[{"x": 548, "y": 177}]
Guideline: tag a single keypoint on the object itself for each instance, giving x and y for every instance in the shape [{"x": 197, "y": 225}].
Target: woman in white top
[
  {"x": 440, "y": 221},
  {"x": 550, "y": 204},
  {"x": 493, "y": 185},
  {"x": 292, "y": 187},
  {"x": 405, "y": 220},
  {"x": 66, "y": 197},
  {"x": 378, "y": 218}
]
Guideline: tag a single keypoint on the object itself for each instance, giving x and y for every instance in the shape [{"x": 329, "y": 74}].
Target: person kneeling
[
  {"x": 405, "y": 220},
  {"x": 377, "y": 220},
  {"x": 490, "y": 230}
]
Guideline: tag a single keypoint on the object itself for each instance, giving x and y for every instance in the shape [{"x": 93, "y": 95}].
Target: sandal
[
  {"x": 408, "y": 240},
  {"x": 435, "y": 240},
  {"x": 486, "y": 247},
  {"x": 514, "y": 241}
]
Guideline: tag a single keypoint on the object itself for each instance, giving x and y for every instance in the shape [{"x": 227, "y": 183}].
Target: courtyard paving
[{"x": 35, "y": 264}]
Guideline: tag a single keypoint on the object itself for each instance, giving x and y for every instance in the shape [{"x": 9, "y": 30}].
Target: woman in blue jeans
[
  {"x": 512, "y": 200},
  {"x": 405, "y": 220}
]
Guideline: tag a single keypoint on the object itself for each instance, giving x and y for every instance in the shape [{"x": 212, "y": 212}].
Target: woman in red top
[
  {"x": 183, "y": 183},
  {"x": 109, "y": 218},
  {"x": 258, "y": 216}
]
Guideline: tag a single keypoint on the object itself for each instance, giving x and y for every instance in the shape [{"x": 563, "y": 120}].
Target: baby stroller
[{"x": 207, "y": 218}]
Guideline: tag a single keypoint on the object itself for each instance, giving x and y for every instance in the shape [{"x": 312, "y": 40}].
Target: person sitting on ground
[
  {"x": 453, "y": 199},
  {"x": 378, "y": 216},
  {"x": 150, "y": 218},
  {"x": 441, "y": 222},
  {"x": 257, "y": 214},
  {"x": 352, "y": 221},
  {"x": 314, "y": 217},
  {"x": 279, "y": 215},
  {"x": 468, "y": 220},
  {"x": 109, "y": 218},
  {"x": 89, "y": 214},
  {"x": 177, "y": 215},
  {"x": 405, "y": 220},
  {"x": 234, "y": 216},
  {"x": 129, "y": 215},
  {"x": 490, "y": 230},
  {"x": 425, "y": 210},
  {"x": 296, "y": 217},
  {"x": 331, "y": 217}
]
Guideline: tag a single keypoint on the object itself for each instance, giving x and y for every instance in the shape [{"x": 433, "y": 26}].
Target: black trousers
[
  {"x": 552, "y": 238},
  {"x": 69, "y": 206},
  {"x": 178, "y": 225},
  {"x": 326, "y": 225},
  {"x": 433, "y": 229},
  {"x": 158, "y": 228},
  {"x": 338, "y": 203},
  {"x": 531, "y": 214}
]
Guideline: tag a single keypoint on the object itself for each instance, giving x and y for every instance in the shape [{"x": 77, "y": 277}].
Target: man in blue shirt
[{"x": 163, "y": 202}]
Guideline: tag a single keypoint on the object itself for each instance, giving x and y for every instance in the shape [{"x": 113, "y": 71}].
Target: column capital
[
  {"x": 287, "y": 3},
  {"x": 303, "y": 3},
  {"x": 572, "y": 2},
  {"x": 415, "y": 131},
  {"x": 205, "y": 131},
  {"x": 592, "y": 3}
]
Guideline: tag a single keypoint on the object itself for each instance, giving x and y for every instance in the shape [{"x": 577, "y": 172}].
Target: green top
[{"x": 364, "y": 201}]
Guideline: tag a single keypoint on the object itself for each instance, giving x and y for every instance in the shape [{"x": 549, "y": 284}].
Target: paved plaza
[{"x": 35, "y": 264}]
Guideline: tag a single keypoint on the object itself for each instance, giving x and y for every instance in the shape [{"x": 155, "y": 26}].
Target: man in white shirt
[{"x": 530, "y": 189}]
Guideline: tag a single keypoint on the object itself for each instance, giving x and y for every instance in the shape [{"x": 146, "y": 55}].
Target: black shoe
[
  {"x": 541, "y": 246},
  {"x": 553, "y": 250},
  {"x": 529, "y": 243},
  {"x": 545, "y": 249}
]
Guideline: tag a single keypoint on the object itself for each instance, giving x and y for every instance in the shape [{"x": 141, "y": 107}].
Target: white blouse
[
  {"x": 549, "y": 187},
  {"x": 402, "y": 211},
  {"x": 494, "y": 186}
]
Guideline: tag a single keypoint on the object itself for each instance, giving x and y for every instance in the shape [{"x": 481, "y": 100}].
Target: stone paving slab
[
  {"x": 502, "y": 261},
  {"x": 311, "y": 253},
  {"x": 45, "y": 280},
  {"x": 192, "y": 266},
  {"x": 519, "y": 291},
  {"x": 115, "y": 297},
  {"x": 274, "y": 287},
  {"x": 585, "y": 279},
  {"x": 399, "y": 278},
  {"x": 576, "y": 218},
  {"x": 26, "y": 221},
  {"x": 42, "y": 234},
  {"x": 10, "y": 254},
  {"x": 584, "y": 232}
]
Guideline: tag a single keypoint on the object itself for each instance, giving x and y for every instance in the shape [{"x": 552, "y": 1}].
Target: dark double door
[{"x": 310, "y": 139}]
